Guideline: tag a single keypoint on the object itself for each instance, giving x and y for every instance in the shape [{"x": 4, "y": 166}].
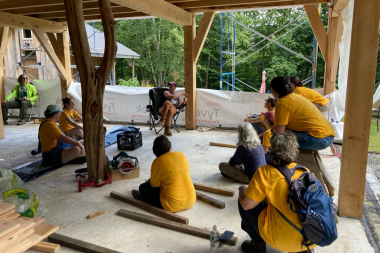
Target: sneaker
[
  {"x": 136, "y": 195},
  {"x": 19, "y": 120},
  {"x": 22, "y": 122},
  {"x": 5, "y": 123},
  {"x": 253, "y": 247}
]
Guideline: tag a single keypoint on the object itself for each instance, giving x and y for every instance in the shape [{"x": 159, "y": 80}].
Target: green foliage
[{"x": 131, "y": 82}]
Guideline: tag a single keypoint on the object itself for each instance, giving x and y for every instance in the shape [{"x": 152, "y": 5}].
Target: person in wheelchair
[{"x": 173, "y": 101}]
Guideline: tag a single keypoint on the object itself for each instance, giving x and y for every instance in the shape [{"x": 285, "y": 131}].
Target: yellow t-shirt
[
  {"x": 48, "y": 134},
  {"x": 269, "y": 183},
  {"x": 266, "y": 137},
  {"x": 171, "y": 173},
  {"x": 312, "y": 95},
  {"x": 62, "y": 119},
  {"x": 299, "y": 114}
]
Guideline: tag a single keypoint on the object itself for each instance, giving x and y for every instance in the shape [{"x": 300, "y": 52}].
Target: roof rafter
[
  {"x": 88, "y": 12},
  {"x": 116, "y": 16}
]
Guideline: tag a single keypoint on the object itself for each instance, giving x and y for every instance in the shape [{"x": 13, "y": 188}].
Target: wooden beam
[
  {"x": 149, "y": 208},
  {"x": 98, "y": 17},
  {"x": 217, "y": 3},
  {"x": 46, "y": 247},
  {"x": 318, "y": 28},
  {"x": 21, "y": 4},
  {"x": 339, "y": 5},
  {"x": 89, "y": 12},
  {"x": 213, "y": 189},
  {"x": 50, "y": 52},
  {"x": 202, "y": 32},
  {"x": 361, "y": 70},
  {"x": 223, "y": 145},
  {"x": 210, "y": 200},
  {"x": 93, "y": 81},
  {"x": 79, "y": 245},
  {"x": 53, "y": 41},
  {"x": 63, "y": 53},
  {"x": 190, "y": 76},
  {"x": 160, "y": 9},
  {"x": 187, "y": 229},
  {"x": 332, "y": 60},
  {"x": 16, "y": 21},
  {"x": 93, "y": 215},
  {"x": 4, "y": 32},
  {"x": 255, "y": 6}
]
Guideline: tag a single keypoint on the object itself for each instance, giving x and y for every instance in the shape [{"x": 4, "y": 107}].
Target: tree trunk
[{"x": 92, "y": 81}]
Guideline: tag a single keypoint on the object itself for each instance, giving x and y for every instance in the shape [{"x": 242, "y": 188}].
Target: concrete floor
[{"x": 68, "y": 208}]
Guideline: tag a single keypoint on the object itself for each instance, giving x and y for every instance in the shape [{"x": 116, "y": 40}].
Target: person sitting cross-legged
[
  {"x": 268, "y": 191},
  {"x": 173, "y": 101},
  {"x": 249, "y": 152},
  {"x": 170, "y": 186},
  {"x": 67, "y": 119},
  {"x": 57, "y": 148},
  {"x": 25, "y": 96}
]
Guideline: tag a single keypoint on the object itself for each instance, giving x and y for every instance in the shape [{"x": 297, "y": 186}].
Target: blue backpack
[{"x": 315, "y": 209}]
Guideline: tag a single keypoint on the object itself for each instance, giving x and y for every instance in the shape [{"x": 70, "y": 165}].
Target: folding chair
[
  {"x": 156, "y": 101},
  {"x": 35, "y": 106}
]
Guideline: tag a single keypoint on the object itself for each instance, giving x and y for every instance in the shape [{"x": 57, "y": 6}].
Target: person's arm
[
  {"x": 236, "y": 158},
  {"x": 246, "y": 202},
  {"x": 68, "y": 140},
  {"x": 80, "y": 118},
  {"x": 11, "y": 95},
  {"x": 261, "y": 135},
  {"x": 34, "y": 96},
  {"x": 266, "y": 148},
  {"x": 254, "y": 120},
  {"x": 279, "y": 129},
  {"x": 168, "y": 95},
  {"x": 75, "y": 125}
]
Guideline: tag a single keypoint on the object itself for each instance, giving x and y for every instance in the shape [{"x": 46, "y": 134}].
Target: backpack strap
[{"x": 288, "y": 173}]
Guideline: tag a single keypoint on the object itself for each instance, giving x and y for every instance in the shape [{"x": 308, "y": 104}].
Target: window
[
  {"x": 27, "y": 34},
  {"x": 31, "y": 52}
]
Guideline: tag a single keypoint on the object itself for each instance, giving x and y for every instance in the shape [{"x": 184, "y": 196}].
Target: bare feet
[{"x": 136, "y": 195}]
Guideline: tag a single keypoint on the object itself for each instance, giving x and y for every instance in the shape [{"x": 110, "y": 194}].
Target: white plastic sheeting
[
  {"x": 49, "y": 93},
  {"x": 213, "y": 107},
  {"x": 376, "y": 97}
]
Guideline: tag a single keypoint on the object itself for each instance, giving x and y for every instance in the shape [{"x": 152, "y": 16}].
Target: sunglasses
[{"x": 24, "y": 78}]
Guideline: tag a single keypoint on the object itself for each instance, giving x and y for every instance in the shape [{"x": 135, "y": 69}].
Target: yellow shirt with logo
[
  {"x": 171, "y": 173},
  {"x": 48, "y": 134},
  {"x": 266, "y": 137},
  {"x": 269, "y": 183},
  {"x": 299, "y": 114},
  {"x": 67, "y": 114},
  {"x": 312, "y": 95}
]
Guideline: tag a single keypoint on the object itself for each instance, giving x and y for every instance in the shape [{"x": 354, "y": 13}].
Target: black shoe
[
  {"x": 80, "y": 160},
  {"x": 253, "y": 247},
  {"x": 5, "y": 122}
]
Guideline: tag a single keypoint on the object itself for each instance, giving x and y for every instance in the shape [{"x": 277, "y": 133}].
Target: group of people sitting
[{"x": 292, "y": 121}]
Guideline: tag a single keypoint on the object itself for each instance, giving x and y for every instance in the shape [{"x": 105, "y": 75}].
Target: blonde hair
[
  {"x": 247, "y": 136},
  {"x": 284, "y": 148}
]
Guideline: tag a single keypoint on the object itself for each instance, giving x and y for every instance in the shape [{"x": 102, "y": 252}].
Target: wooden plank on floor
[
  {"x": 79, "y": 245},
  {"x": 46, "y": 247},
  {"x": 213, "y": 189},
  {"x": 149, "y": 208},
  {"x": 90, "y": 216},
  {"x": 212, "y": 201},
  {"x": 223, "y": 145},
  {"x": 191, "y": 230}
]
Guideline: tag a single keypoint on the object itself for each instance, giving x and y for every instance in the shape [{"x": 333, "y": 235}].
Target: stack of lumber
[{"x": 18, "y": 234}]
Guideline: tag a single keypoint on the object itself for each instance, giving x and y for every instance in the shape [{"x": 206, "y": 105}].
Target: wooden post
[
  {"x": 93, "y": 80},
  {"x": 133, "y": 68},
  {"x": 190, "y": 78},
  {"x": 63, "y": 53},
  {"x": 360, "y": 88},
  {"x": 332, "y": 60},
  {"x": 4, "y": 31}
]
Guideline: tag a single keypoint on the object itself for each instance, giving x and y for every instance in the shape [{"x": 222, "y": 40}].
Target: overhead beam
[
  {"x": 160, "y": 9},
  {"x": 339, "y": 5},
  {"x": 88, "y": 12},
  {"x": 98, "y": 17},
  {"x": 50, "y": 52},
  {"x": 22, "y": 4},
  {"x": 204, "y": 27},
  {"x": 318, "y": 27},
  {"x": 16, "y": 21},
  {"x": 4, "y": 32},
  {"x": 357, "y": 122},
  {"x": 255, "y": 6},
  {"x": 215, "y": 3}
]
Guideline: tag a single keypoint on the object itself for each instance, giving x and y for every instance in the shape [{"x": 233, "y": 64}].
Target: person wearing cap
[
  {"x": 269, "y": 122},
  {"x": 250, "y": 152},
  {"x": 296, "y": 113},
  {"x": 170, "y": 186},
  {"x": 322, "y": 103},
  {"x": 257, "y": 121},
  {"x": 67, "y": 119},
  {"x": 173, "y": 101},
  {"x": 57, "y": 148},
  {"x": 25, "y": 96}
]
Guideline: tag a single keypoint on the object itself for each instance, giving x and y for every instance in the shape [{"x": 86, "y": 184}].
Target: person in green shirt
[{"x": 25, "y": 96}]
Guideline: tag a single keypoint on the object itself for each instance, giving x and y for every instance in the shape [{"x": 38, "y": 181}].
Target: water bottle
[{"x": 214, "y": 240}]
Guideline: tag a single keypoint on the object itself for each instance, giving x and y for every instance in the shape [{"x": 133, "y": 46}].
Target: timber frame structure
[{"x": 58, "y": 17}]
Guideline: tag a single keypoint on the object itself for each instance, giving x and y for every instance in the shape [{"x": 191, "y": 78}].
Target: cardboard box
[{"x": 116, "y": 175}]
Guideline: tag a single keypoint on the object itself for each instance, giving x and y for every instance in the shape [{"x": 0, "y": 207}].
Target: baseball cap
[
  {"x": 53, "y": 108},
  {"x": 269, "y": 115},
  {"x": 172, "y": 83}
]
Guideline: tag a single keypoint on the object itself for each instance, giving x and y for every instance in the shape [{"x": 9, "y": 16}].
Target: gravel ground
[{"x": 374, "y": 164}]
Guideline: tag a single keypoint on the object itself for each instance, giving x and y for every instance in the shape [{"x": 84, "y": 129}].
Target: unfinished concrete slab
[{"x": 68, "y": 208}]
